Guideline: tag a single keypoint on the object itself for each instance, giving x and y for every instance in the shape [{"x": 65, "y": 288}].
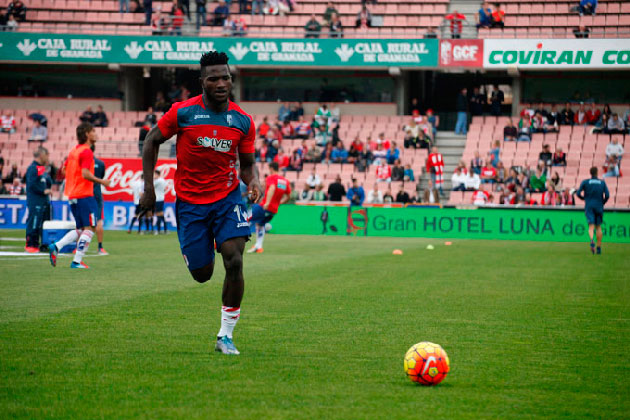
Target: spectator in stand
[
  {"x": 375, "y": 196},
  {"x": 525, "y": 129},
  {"x": 434, "y": 122},
  {"x": 456, "y": 20},
  {"x": 8, "y": 123},
  {"x": 611, "y": 167},
  {"x": 488, "y": 174},
  {"x": 494, "y": 153},
  {"x": 550, "y": 197},
  {"x": 312, "y": 28},
  {"x": 614, "y": 149},
  {"x": 412, "y": 134},
  {"x": 498, "y": 17},
  {"x": 263, "y": 128},
  {"x": 593, "y": 115},
  {"x": 477, "y": 102},
  {"x": 235, "y": 26},
  {"x": 383, "y": 172},
  {"x": 14, "y": 173},
  {"x": 339, "y": 154},
  {"x": 408, "y": 175},
  {"x": 87, "y": 115},
  {"x": 327, "y": 154},
  {"x": 403, "y": 197},
  {"x": 616, "y": 125},
  {"x": 39, "y": 117},
  {"x": 481, "y": 198},
  {"x": 461, "y": 106},
  {"x": 275, "y": 7},
  {"x": 17, "y": 9},
  {"x": 559, "y": 157},
  {"x": 313, "y": 180},
  {"x": 601, "y": 126},
  {"x": 185, "y": 6},
  {"x": 557, "y": 181},
  {"x": 458, "y": 180},
  {"x": 511, "y": 182},
  {"x": 201, "y": 13},
  {"x": 552, "y": 117},
  {"x": 318, "y": 194},
  {"x": 484, "y": 16},
  {"x": 545, "y": 156},
  {"x": 147, "y": 5},
  {"x": 435, "y": 167},
  {"x": 587, "y": 7},
  {"x": 430, "y": 34},
  {"x": 16, "y": 187},
  {"x": 335, "y": 28},
  {"x": 355, "y": 194},
  {"x": 124, "y": 6},
  {"x": 582, "y": 32},
  {"x": 287, "y": 130},
  {"x": 161, "y": 22},
  {"x": 303, "y": 129},
  {"x": 476, "y": 163},
  {"x": 566, "y": 116},
  {"x": 430, "y": 194},
  {"x": 39, "y": 133},
  {"x": 221, "y": 13},
  {"x": 568, "y": 197},
  {"x": 336, "y": 190},
  {"x": 398, "y": 172},
  {"x": 356, "y": 147},
  {"x": 330, "y": 10},
  {"x": 500, "y": 173},
  {"x": 100, "y": 118},
  {"x": 538, "y": 180},
  {"x": 509, "y": 131},
  {"x": 393, "y": 154},
  {"x": 528, "y": 110},
  {"x": 388, "y": 198},
  {"x": 11, "y": 25},
  {"x": 581, "y": 117},
  {"x": 497, "y": 97},
  {"x": 364, "y": 18},
  {"x": 282, "y": 160},
  {"x": 607, "y": 110}
]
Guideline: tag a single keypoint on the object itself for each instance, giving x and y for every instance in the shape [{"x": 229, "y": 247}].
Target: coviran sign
[{"x": 557, "y": 53}]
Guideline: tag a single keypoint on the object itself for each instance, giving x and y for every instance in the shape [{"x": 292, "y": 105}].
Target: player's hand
[
  {"x": 106, "y": 182},
  {"x": 47, "y": 191},
  {"x": 254, "y": 190},
  {"x": 147, "y": 201}
]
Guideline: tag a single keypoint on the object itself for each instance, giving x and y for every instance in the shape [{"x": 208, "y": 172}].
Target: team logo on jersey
[
  {"x": 229, "y": 120},
  {"x": 219, "y": 145}
]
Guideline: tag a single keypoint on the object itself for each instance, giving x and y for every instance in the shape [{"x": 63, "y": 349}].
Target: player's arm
[
  {"x": 150, "y": 150},
  {"x": 249, "y": 175},
  {"x": 606, "y": 193},
  {"x": 86, "y": 162},
  {"x": 268, "y": 196},
  {"x": 580, "y": 192},
  {"x": 285, "y": 199}
]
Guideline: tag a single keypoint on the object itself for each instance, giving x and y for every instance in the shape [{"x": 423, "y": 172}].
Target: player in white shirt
[
  {"x": 137, "y": 188},
  {"x": 159, "y": 185}
]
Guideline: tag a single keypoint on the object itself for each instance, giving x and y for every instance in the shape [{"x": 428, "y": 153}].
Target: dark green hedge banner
[
  {"x": 168, "y": 50},
  {"x": 512, "y": 224}
]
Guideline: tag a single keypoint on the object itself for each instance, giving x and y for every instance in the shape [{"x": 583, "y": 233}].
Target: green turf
[{"x": 533, "y": 330}]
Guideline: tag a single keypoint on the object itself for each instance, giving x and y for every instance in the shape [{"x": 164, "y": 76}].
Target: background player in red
[
  {"x": 277, "y": 191},
  {"x": 212, "y": 134}
]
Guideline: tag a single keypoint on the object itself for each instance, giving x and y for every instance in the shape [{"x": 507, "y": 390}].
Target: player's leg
[
  {"x": 87, "y": 209},
  {"x": 133, "y": 219},
  {"x": 590, "y": 218},
  {"x": 598, "y": 226},
  {"x": 100, "y": 231},
  {"x": 32, "y": 236},
  {"x": 68, "y": 238},
  {"x": 231, "y": 230},
  {"x": 258, "y": 219},
  {"x": 195, "y": 239}
]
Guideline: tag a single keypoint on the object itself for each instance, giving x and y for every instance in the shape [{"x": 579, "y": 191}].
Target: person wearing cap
[{"x": 434, "y": 121}]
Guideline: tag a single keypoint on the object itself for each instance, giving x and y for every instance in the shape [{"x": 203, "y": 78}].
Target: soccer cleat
[
  {"x": 78, "y": 265},
  {"x": 599, "y": 250},
  {"x": 252, "y": 250},
  {"x": 592, "y": 248},
  {"x": 52, "y": 251},
  {"x": 31, "y": 249},
  {"x": 225, "y": 345},
  {"x": 101, "y": 251}
]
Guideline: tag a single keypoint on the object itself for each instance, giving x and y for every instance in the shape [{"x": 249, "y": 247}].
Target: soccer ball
[
  {"x": 268, "y": 227},
  {"x": 426, "y": 363}
]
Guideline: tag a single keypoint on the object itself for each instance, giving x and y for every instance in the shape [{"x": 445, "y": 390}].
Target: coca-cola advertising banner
[
  {"x": 123, "y": 172},
  {"x": 461, "y": 53}
]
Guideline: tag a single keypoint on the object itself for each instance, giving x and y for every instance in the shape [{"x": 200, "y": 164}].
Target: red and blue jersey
[
  {"x": 207, "y": 146},
  {"x": 282, "y": 187}
]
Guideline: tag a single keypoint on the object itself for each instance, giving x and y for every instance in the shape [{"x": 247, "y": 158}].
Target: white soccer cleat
[{"x": 225, "y": 345}]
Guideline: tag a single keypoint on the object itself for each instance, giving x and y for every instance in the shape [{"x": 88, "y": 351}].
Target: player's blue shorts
[
  {"x": 594, "y": 216},
  {"x": 159, "y": 206},
  {"x": 260, "y": 216},
  {"x": 84, "y": 211},
  {"x": 99, "y": 206},
  {"x": 200, "y": 225}
]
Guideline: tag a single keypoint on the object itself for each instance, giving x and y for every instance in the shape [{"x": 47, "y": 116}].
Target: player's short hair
[
  {"x": 82, "y": 131},
  {"x": 39, "y": 151},
  {"x": 274, "y": 166},
  {"x": 594, "y": 171},
  {"x": 213, "y": 58}
]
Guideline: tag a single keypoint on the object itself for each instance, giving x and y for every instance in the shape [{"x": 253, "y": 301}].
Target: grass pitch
[{"x": 533, "y": 330}]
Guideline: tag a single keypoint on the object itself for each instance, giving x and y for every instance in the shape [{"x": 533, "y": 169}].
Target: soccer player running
[
  {"x": 277, "y": 191},
  {"x": 212, "y": 133},
  {"x": 80, "y": 191},
  {"x": 99, "y": 172},
  {"x": 595, "y": 194},
  {"x": 137, "y": 188}
]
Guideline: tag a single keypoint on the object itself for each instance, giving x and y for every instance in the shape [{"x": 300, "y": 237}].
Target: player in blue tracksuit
[
  {"x": 595, "y": 193},
  {"x": 99, "y": 172},
  {"x": 38, "y": 183}
]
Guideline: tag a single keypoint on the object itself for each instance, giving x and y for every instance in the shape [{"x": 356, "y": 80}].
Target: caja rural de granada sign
[{"x": 104, "y": 49}]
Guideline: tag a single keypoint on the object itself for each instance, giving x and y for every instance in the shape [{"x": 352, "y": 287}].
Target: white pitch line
[{"x": 12, "y": 239}]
